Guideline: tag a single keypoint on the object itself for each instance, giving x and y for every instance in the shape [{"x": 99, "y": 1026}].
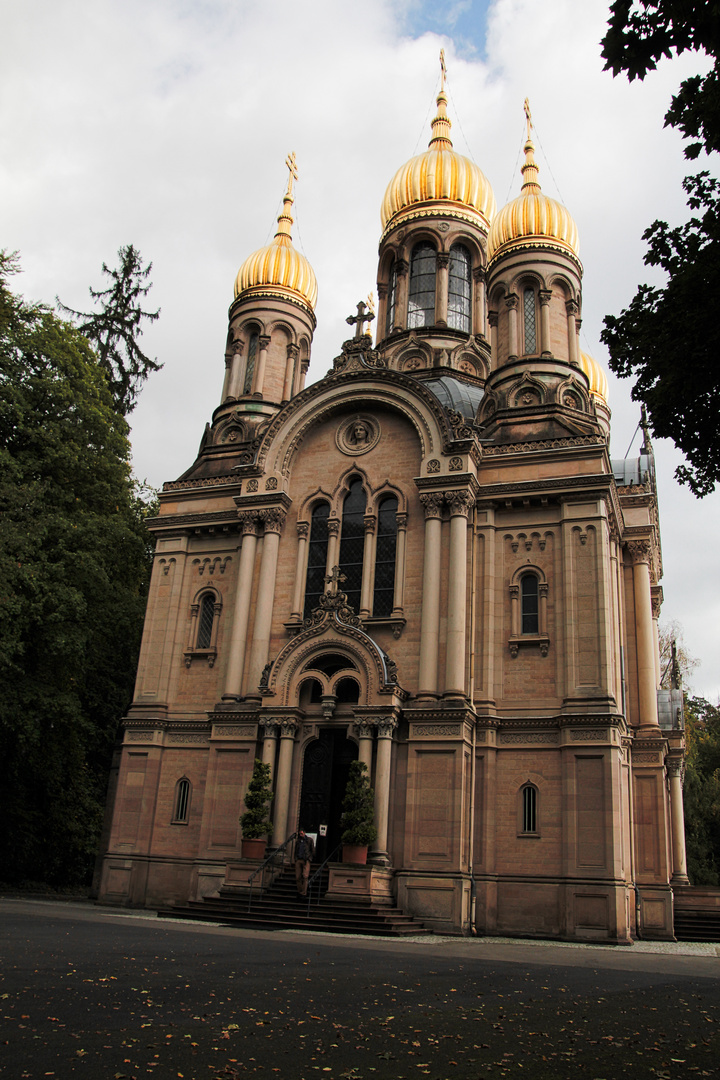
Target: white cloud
[{"x": 167, "y": 125}]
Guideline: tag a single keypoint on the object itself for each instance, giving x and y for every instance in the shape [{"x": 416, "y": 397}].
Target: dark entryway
[{"x": 325, "y": 775}]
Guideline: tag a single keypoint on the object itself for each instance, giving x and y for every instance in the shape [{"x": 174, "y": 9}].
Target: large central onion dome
[
  {"x": 278, "y": 269},
  {"x": 532, "y": 219},
  {"x": 439, "y": 182}
]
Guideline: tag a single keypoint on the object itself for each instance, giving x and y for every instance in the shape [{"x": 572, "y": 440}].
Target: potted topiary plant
[
  {"x": 255, "y": 822},
  {"x": 357, "y": 821}
]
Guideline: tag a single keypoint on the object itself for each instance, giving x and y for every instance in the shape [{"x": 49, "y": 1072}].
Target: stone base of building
[
  {"x": 441, "y": 901},
  {"x": 656, "y": 914},
  {"x": 373, "y": 884}
]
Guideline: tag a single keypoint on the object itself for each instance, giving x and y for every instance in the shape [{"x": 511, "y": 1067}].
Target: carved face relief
[{"x": 358, "y": 435}]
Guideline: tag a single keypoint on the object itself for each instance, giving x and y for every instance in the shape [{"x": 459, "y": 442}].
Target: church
[{"x": 427, "y": 561}]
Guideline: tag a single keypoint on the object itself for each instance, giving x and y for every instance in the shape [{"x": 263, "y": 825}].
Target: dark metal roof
[{"x": 455, "y": 395}]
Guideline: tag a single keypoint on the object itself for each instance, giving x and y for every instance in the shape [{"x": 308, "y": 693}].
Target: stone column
[
  {"x": 259, "y": 380},
  {"x": 478, "y": 322},
  {"x": 364, "y": 731},
  {"x": 656, "y": 593},
  {"x": 236, "y": 367},
  {"x": 229, "y": 357},
  {"x": 269, "y": 730},
  {"x": 640, "y": 554},
  {"x": 459, "y": 503},
  {"x": 273, "y": 520},
  {"x": 284, "y": 777},
  {"x": 382, "y": 327},
  {"x": 366, "y": 589},
  {"x": 402, "y": 267},
  {"x": 679, "y": 876},
  {"x": 292, "y": 354},
  {"x": 333, "y": 547},
  {"x": 385, "y": 727},
  {"x": 303, "y": 531},
  {"x": 302, "y": 371},
  {"x": 243, "y": 589},
  {"x": 544, "y": 296},
  {"x": 512, "y": 303},
  {"x": 430, "y": 619},
  {"x": 441, "y": 289},
  {"x": 399, "y": 591},
  {"x": 493, "y": 324},
  {"x": 572, "y": 308}
]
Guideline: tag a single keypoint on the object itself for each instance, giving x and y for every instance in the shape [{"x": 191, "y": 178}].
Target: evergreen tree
[
  {"x": 255, "y": 822},
  {"x": 358, "y": 817},
  {"x": 701, "y": 794},
  {"x": 74, "y": 566},
  {"x": 114, "y": 329}
]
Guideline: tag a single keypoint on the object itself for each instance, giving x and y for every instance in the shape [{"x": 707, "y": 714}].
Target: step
[{"x": 698, "y": 925}]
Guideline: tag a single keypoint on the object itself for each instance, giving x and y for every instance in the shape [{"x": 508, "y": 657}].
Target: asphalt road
[{"x": 89, "y": 993}]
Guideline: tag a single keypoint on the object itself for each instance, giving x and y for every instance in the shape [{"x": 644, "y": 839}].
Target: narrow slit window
[
  {"x": 352, "y": 543},
  {"x": 421, "y": 300},
  {"x": 529, "y": 320},
  {"x": 529, "y": 809},
  {"x": 182, "y": 800},
  {"x": 529, "y": 604},
  {"x": 385, "y": 553},
  {"x": 392, "y": 299},
  {"x": 206, "y": 618},
  {"x": 459, "y": 289},
  {"x": 250, "y": 365},
  {"x": 317, "y": 557}
]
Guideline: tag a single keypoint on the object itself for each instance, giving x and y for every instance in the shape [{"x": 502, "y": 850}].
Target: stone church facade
[{"x": 428, "y": 561}]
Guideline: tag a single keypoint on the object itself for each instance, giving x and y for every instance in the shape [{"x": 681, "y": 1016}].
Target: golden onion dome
[
  {"x": 532, "y": 219},
  {"x": 596, "y": 377},
  {"x": 278, "y": 269},
  {"x": 439, "y": 182}
]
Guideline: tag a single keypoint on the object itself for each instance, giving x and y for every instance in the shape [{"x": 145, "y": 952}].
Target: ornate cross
[
  {"x": 360, "y": 319},
  {"x": 292, "y": 166},
  {"x": 334, "y": 578},
  {"x": 443, "y": 69},
  {"x": 528, "y": 115}
]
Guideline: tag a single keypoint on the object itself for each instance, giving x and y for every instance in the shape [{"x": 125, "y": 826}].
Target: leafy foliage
[
  {"x": 668, "y": 338},
  {"x": 114, "y": 329},
  {"x": 255, "y": 822},
  {"x": 701, "y": 794},
  {"x": 358, "y": 818},
  {"x": 74, "y": 568}
]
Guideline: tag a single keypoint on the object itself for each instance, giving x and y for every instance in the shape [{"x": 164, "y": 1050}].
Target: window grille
[
  {"x": 352, "y": 543},
  {"x": 421, "y": 300},
  {"x": 317, "y": 557},
  {"x": 459, "y": 289},
  {"x": 529, "y": 319},
  {"x": 205, "y": 622},
  {"x": 182, "y": 800},
  {"x": 529, "y": 604},
  {"x": 529, "y": 809},
  {"x": 250, "y": 366},
  {"x": 385, "y": 553}
]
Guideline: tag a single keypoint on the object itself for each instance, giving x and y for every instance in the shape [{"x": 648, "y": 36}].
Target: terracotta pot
[
  {"x": 253, "y": 849},
  {"x": 354, "y": 853}
]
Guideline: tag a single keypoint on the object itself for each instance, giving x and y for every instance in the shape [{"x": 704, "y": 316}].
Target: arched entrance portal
[{"x": 326, "y": 766}]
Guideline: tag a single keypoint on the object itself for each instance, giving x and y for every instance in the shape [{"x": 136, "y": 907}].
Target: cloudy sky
[{"x": 165, "y": 123}]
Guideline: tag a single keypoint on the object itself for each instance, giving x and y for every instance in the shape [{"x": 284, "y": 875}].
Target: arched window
[
  {"x": 459, "y": 289},
  {"x": 529, "y": 320},
  {"x": 250, "y": 365},
  {"x": 391, "y": 301},
  {"x": 352, "y": 542},
  {"x": 317, "y": 557},
  {"x": 528, "y": 809},
  {"x": 421, "y": 296},
  {"x": 182, "y": 801},
  {"x": 206, "y": 618},
  {"x": 347, "y": 691},
  {"x": 385, "y": 552},
  {"x": 529, "y": 604}
]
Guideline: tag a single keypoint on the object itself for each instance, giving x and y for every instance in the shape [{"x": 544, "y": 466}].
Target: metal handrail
[
  {"x": 317, "y": 874},
  {"x": 272, "y": 858}
]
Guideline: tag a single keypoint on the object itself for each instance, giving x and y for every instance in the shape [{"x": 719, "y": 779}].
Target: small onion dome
[
  {"x": 596, "y": 377},
  {"x": 278, "y": 269},
  {"x": 532, "y": 219},
  {"x": 439, "y": 182}
]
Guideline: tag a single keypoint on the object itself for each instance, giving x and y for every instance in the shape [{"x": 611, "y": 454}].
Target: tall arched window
[
  {"x": 250, "y": 365},
  {"x": 385, "y": 552},
  {"x": 421, "y": 296},
  {"x": 529, "y": 604},
  {"x": 391, "y": 301},
  {"x": 529, "y": 320},
  {"x": 182, "y": 801},
  {"x": 528, "y": 809},
  {"x": 352, "y": 542},
  {"x": 459, "y": 289},
  {"x": 317, "y": 557},
  {"x": 206, "y": 617}
]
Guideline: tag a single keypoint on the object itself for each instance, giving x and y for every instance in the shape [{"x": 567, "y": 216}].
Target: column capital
[
  {"x": 293, "y": 350},
  {"x": 382, "y": 290},
  {"x": 544, "y": 296},
  {"x": 364, "y": 729},
  {"x": 493, "y": 318},
  {"x": 443, "y": 260},
  {"x": 287, "y": 727},
  {"x": 401, "y": 267},
  {"x": 512, "y": 301},
  {"x": 303, "y": 529},
  {"x": 264, "y": 341},
  {"x": 269, "y": 727},
  {"x": 479, "y": 274},
  {"x": 370, "y": 523},
  {"x": 248, "y": 522},
  {"x": 572, "y": 307},
  {"x": 273, "y": 518},
  {"x": 386, "y": 725},
  {"x": 432, "y": 504},
  {"x": 640, "y": 551},
  {"x": 460, "y": 502},
  {"x": 401, "y": 520},
  {"x": 333, "y": 526}
]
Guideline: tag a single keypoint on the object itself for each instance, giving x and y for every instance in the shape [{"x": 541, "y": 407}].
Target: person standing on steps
[{"x": 304, "y": 855}]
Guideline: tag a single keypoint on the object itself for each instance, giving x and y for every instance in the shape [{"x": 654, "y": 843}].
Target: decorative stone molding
[
  {"x": 273, "y": 519},
  {"x": 646, "y": 759},
  {"x": 271, "y": 483},
  {"x": 203, "y": 482},
  {"x": 589, "y": 735},
  {"x": 456, "y": 464},
  {"x": 252, "y": 485},
  {"x": 493, "y": 319},
  {"x": 436, "y": 730},
  {"x": 186, "y": 738},
  {"x": 443, "y": 260},
  {"x": 140, "y": 735},
  {"x": 243, "y": 730},
  {"x": 433, "y": 466},
  {"x": 521, "y": 737},
  {"x": 264, "y": 341}
]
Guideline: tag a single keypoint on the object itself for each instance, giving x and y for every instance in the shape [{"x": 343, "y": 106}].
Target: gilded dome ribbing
[
  {"x": 439, "y": 182},
  {"x": 596, "y": 377},
  {"x": 532, "y": 219},
  {"x": 278, "y": 268}
]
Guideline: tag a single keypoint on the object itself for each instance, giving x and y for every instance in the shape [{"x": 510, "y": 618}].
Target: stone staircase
[
  {"x": 697, "y": 914},
  {"x": 279, "y": 909}
]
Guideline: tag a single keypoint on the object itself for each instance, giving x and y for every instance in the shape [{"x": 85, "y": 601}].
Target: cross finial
[
  {"x": 528, "y": 116},
  {"x": 443, "y": 69},
  {"x": 334, "y": 578},
  {"x": 360, "y": 319},
  {"x": 292, "y": 167}
]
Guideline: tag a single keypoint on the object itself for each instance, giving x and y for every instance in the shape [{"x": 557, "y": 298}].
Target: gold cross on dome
[
  {"x": 443, "y": 69},
  {"x": 528, "y": 115},
  {"x": 292, "y": 166},
  {"x": 360, "y": 319}
]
